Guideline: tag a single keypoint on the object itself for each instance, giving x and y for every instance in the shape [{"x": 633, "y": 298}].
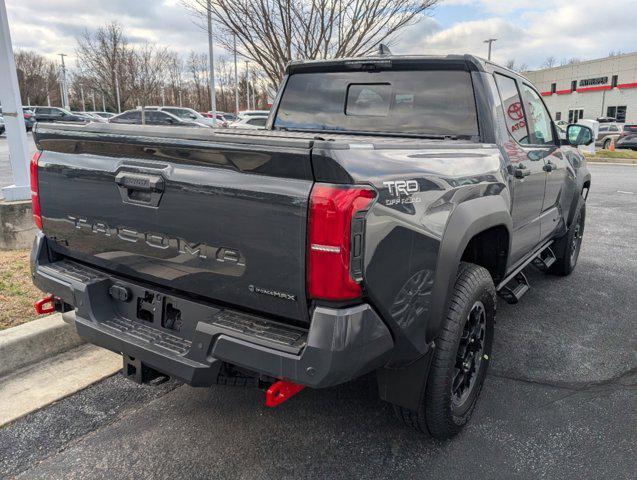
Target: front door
[
  {"x": 545, "y": 145},
  {"x": 526, "y": 169}
]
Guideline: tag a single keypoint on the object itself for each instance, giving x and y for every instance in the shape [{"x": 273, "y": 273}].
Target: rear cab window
[{"x": 400, "y": 102}]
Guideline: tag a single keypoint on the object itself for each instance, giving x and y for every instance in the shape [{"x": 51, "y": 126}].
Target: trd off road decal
[{"x": 401, "y": 192}]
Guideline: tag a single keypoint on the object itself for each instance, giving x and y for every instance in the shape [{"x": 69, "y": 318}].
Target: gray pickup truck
[{"x": 369, "y": 228}]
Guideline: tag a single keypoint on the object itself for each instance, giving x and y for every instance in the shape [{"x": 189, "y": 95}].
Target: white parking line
[{"x": 625, "y": 192}]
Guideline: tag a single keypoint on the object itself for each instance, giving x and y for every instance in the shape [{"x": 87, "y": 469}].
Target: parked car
[
  {"x": 253, "y": 122},
  {"x": 628, "y": 137},
  {"x": 186, "y": 114},
  {"x": 608, "y": 132},
  {"x": 92, "y": 117},
  {"x": 230, "y": 117},
  {"x": 57, "y": 114},
  {"x": 1, "y": 125},
  {"x": 370, "y": 230},
  {"x": 253, "y": 113},
  {"x": 28, "y": 116},
  {"x": 105, "y": 115},
  {"x": 153, "y": 117}
]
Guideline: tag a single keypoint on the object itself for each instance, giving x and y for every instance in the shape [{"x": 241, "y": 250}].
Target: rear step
[{"x": 515, "y": 285}]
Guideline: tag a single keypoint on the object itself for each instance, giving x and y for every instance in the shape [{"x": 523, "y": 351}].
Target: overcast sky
[{"x": 527, "y": 30}]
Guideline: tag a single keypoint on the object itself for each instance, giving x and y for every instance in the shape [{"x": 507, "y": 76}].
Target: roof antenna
[{"x": 383, "y": 50}]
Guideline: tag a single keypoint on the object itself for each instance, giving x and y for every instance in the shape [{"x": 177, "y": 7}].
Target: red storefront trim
[{"x": 594, "y": 89}]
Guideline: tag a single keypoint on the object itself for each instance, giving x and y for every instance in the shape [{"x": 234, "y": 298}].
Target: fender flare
[{"x": 467, "y": 220}]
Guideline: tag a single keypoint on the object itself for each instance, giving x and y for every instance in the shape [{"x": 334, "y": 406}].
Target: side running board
[
  {"x": 515, "y": 285},
  {"x": 515, "y": 289}
]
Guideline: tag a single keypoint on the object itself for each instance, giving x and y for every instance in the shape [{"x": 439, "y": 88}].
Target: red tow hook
[
  {"x": 45, "y": 305},
  {"x": 280, "y": 392}
]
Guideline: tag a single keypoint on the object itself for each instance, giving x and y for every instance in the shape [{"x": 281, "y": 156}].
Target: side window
[
  {"x": 130, "y": 116},
  {"x": 513, "y": 111},
  {"x": 540, "y": 128},
  {"x": 603, "y": 128},
  {"x": 162, "y": 118},
  {"x": 258, "y": 122},
  {"x": 155, "y": 117}
]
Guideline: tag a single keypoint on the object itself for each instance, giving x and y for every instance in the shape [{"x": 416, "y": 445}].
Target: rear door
[
  {"x": 132, "y": 117},
  {"x": 221, "y": 219}
]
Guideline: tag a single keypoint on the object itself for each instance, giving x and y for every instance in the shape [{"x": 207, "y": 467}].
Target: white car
[
  {"x": 253, "y": 113},
  {"x": 253, "y": 122},
  {"x": 187, "y": 114}
]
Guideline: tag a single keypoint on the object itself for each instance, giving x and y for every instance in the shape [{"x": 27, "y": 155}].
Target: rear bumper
[{"x": 340, "y": 344}]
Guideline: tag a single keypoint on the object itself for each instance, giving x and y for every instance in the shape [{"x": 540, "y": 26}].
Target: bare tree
[
  {"x": 38, "y": 79},
  {"x": 148, "y": 67},
  {"x": 197, "y": 66},
  {"x": 511, "y": 65},
  {"x": 549, "y": 62},
  {"x": 175, "y": 79},
  {"x": 105, "y": 57},
  {"x": 570, "y": 61},
  {"x": 273, "y": 32}
]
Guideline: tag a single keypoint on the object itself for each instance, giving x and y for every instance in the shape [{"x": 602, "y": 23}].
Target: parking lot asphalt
[{"x": 560, "y": 400}]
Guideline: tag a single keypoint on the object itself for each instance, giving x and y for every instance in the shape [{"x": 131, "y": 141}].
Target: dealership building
[{"x": 606, "y": 87}]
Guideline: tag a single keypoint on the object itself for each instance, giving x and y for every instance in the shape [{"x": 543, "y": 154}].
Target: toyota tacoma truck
[{"x": 370, "y": 227}]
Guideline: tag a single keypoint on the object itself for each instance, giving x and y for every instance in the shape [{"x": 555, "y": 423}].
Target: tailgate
[{"x": 223, "y": 219}]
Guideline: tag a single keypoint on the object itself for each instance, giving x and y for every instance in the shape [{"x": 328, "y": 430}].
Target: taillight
[
  {"x": 332, "y": 209},
  {"x": 35, "y": 190}
]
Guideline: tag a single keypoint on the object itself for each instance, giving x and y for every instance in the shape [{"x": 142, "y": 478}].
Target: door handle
[
  {"x": 140, "y": 189},
  {"x": 521, "y": 172}
]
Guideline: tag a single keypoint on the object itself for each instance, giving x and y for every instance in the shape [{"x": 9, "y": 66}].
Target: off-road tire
[
  {"x": 436, "y": 414},
  {"x": 567, "y": 248}
]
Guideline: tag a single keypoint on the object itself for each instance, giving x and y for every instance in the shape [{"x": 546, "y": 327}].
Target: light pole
[
  {"x": 65, "y": 93},
  {"x": 13, "y": 118},
  {"x": 490, "y": 41},
  {"x": 247, "y": 87},
  {"x": 82, "y": 97},
  {"x": 236, "y": 79},
  {"x": 119, "y": 104},
  {"x": 211, "y": 64}
]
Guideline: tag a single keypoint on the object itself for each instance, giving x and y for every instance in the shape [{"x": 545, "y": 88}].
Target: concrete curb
[
  {"x": 610, "y": 163},
  {"x": 34, "y": 341}
]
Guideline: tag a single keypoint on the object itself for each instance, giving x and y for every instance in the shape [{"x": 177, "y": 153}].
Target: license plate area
[{"x": 155, "y": 309}]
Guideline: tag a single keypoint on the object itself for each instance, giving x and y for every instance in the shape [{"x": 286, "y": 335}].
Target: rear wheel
[
  {"x": 607, "y": 144},
  {"x": 460, "y": 359},
  {"x": 570, "y": 244}
]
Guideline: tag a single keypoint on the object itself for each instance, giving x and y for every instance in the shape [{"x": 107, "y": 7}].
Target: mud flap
[{"x": 405, "y": 386}]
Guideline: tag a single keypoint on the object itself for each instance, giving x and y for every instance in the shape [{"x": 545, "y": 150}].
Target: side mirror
[{"x": 577, "y": 135}]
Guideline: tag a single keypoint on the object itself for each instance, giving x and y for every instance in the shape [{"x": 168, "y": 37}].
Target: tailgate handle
[{"x": 140, "y": 189}]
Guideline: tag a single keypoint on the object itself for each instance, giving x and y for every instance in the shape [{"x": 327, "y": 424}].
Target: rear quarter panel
[{"x": 406, "y": 276}]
